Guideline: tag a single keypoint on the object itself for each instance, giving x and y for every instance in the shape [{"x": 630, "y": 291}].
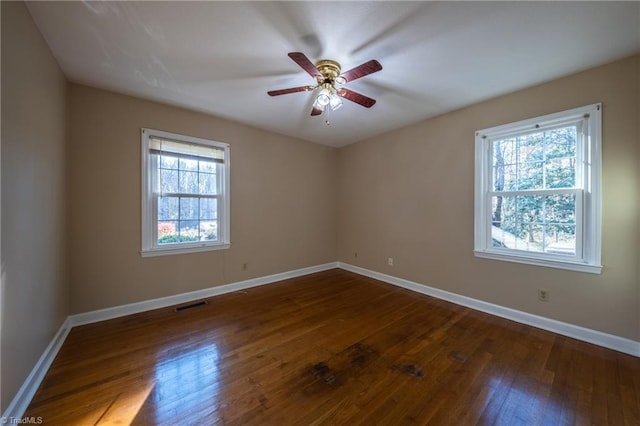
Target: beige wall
[
  {"x": 408, "y": 195},
  {"x": 283, "y": 203},
  {"x": 35, "y": 292}
]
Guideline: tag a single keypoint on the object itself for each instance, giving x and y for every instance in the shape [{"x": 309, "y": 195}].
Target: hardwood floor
[{"x": 332, "y": 348}]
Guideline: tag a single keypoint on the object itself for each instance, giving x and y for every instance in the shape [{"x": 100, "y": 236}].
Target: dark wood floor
[{"x": 332, "y": 348}]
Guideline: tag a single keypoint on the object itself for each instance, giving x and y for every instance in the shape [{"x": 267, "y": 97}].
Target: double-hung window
[
  {"x": 537, "y": 191},
  {"x": 185, "y": 194}
]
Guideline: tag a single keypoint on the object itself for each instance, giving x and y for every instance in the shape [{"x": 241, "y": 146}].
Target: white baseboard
[
  {"x": 163, "y": 302},
  {"x": 21, "y": 401},
  {"x": 610, "y": 341},
  {"x": 25, "y": 394}
]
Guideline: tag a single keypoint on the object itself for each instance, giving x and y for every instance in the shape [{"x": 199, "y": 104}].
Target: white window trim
[
  {"x": 149, "y": 246},
  {"x": 588, "y": 200}
]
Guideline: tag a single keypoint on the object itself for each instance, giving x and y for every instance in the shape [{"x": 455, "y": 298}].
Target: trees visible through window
[
  {"x": 187, "y": 198},
  {"x": 533, "y": 198},
  {"x": 537, "y": 190}
]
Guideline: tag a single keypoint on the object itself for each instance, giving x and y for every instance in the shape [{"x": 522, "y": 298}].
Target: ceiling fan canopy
[{"x": 328, "y": 74}]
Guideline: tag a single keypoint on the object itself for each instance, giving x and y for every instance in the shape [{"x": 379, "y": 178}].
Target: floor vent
[{"x": 190, "y": 306}]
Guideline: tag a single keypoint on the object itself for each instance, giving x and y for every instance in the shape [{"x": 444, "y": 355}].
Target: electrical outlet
[
  {"x": 543, "y": 294},
  {"x": 245, "y": 266},
  {"x": 390, "y": 261},
  {"x": 355, "y": 254}
]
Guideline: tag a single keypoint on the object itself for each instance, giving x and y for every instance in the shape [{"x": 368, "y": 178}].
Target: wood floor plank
[{"x": 332, "y": 348}]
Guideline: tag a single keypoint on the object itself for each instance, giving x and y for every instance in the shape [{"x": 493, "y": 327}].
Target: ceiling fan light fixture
[
  {"x": 317, "y": 105},
  {"x": 324, "y": 97},
  {"x": 335, "y": 102}
]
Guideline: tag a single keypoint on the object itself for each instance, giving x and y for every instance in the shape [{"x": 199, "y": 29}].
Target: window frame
[
  {"x": 150, "y": 246},
  {"x": 588, "y": 195}
]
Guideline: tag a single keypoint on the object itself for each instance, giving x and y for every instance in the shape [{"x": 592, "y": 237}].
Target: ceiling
[{"x": 222, "y": 57}]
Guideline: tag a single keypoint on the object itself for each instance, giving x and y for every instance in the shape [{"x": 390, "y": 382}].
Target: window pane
[
  {"x": 560, "y": 209},
  {"x": 207, "y": 167},
  {"x": 530, "y": 242},
  {"x": 168, "y": 208},
  {"x": 561, "y": 143},
  {"x": 208, "y": 209},
  {"x": 560, "y": 221},
  {"x": 167, "y": 162},
  {"x": 167, "y": 232},
  {"x": 509, "y": 178},
  {"x": 189, "y": 182},
  {"x": 534, "y": 223},
  {"x": 209, "y": 230},
  {"x": 207, "y": 183},
  {"x": 167, "y": 228},
  {"x": 560, "y": 239},
  {"x": 189, "y": 208},
  {"x": 504, "y": 152},
  {"x": 530, "y": 176},
  {"x": 529, "y": 209},
  {"x": 188, "y": 230},
  {"x": 530, "y": 148},
  {"x": 188, "y": 164},
  {"x": 168, "y": 181},
  {"x": 560, "y": 173}
]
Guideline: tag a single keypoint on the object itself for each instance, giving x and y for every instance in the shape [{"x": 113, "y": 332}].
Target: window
[
  {"x": 185, "y": 194},
  {"x": 537, "y": 191}
]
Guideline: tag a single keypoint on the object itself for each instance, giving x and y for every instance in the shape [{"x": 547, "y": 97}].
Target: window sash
[
  {"x": 580, "y": 147},
  {"x": 157, "y": 190},
  {"x": 579, "y": 216}
]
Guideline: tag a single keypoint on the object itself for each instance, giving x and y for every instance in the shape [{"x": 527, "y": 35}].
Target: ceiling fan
[{"x": 327, "y": 74}]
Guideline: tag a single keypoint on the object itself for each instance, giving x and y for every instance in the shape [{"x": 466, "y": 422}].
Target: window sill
[
  {"x": 537, "y": 261},
  {"x": 182, "y": 250}
]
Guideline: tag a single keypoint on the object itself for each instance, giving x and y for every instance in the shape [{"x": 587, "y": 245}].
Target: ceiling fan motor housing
[{"x": 329, "y": 69}]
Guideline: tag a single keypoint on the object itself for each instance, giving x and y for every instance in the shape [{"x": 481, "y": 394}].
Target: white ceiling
[{"x": 222, "y": 57}]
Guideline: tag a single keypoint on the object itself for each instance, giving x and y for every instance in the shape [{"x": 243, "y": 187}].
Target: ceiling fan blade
[
  {"x": 291, "y": 90},
  {"x": 363, "y": 100},
  {"x": 316, "y": 111},
  {"x": 304, "y": 62},
  {"x": 361, "y": 70}
]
